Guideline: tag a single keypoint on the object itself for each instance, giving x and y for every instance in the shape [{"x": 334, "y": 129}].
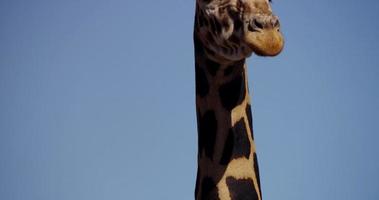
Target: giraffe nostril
[
  {"x": 257, "y": 24},
  {"x": 276, "y": 23}
]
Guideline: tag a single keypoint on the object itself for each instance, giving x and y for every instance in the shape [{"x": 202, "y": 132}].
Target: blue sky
[{"x": 97, "y": 101}]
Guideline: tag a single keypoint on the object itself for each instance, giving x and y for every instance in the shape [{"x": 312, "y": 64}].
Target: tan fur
[{"x": 229, "y": 31}]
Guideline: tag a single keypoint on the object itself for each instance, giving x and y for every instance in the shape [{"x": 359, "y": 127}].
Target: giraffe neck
[{"x": 227, "y": 162}]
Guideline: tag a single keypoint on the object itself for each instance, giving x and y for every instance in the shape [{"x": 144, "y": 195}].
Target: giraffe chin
[{"x": 265, "y": 42}]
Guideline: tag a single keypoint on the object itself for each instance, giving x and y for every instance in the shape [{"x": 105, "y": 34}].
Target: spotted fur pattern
[
  {"x": 227, "y": 160},
  {"x": 227, "y": 155}
]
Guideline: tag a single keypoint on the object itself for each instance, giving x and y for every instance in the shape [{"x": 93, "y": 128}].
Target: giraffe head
[{"x": 234, "y": 29}]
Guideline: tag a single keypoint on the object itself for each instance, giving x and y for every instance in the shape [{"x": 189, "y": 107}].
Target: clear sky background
[{"x": 97, "y": 101}]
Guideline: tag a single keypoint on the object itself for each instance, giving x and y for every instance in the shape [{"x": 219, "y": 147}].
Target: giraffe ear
[{"x": 227, "y": 26}]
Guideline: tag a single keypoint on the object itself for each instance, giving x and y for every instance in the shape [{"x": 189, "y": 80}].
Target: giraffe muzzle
[{"x": 263, "y": 36}]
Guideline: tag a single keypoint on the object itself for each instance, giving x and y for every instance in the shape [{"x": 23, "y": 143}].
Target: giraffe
[{"x": 226, "y": 32}]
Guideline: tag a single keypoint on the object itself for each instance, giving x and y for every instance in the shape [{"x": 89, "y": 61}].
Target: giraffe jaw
[{"x": 268, "y": 42}]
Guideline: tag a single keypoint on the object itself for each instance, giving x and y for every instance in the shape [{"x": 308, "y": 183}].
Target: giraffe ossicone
[{"x": 226, "y": 32}]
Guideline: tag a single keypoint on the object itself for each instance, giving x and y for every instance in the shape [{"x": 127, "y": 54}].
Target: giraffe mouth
[{"x": 266, "y": 42}]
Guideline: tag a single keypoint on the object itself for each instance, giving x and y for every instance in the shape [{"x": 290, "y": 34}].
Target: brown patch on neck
[{"x": 219, "y": 133}]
